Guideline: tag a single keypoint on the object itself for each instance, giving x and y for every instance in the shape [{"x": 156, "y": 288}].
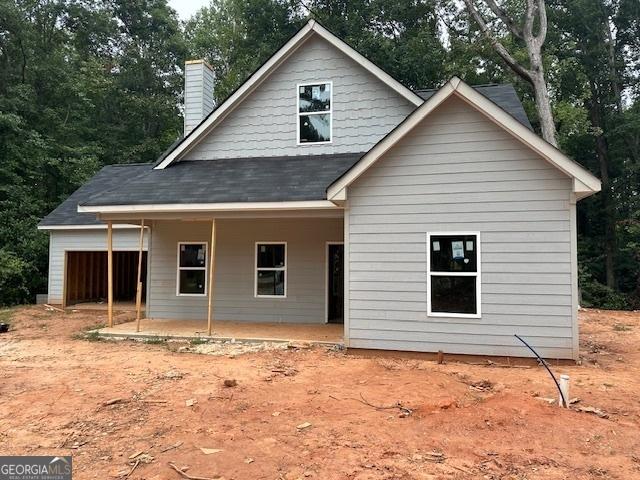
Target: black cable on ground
[{"x": 564, "y": 400}]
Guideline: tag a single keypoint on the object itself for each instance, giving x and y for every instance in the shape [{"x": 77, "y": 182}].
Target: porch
[
  {"x": 326, "y": 333},
  {"x": 252, "y": 277}
]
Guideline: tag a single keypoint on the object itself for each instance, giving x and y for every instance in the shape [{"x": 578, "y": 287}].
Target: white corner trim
[
  {"x": 266, "y": 69},
  {"x": 121, "y": 226},
  {"x": 209, "y": 207},
  {"x": 586, "y": 183}
]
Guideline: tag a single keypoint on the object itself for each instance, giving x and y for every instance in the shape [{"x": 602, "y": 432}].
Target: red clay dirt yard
[{"x": 127, "y": 409}]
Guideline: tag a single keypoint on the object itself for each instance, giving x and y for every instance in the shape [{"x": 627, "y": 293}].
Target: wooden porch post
[
  {"x": 110, "y": 273},
  {"x": 212, "y": 266},
  {"x": 139, "y": 283}
]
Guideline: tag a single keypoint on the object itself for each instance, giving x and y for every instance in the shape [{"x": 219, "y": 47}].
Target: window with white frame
[
  {"x": 453, "y": 271},
  {"x": 192, "y": 268},
  {"x": 271, "y": 269},
  {"x": 314, "y": 113}
]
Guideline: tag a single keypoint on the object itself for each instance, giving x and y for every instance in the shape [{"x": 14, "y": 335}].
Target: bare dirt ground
[{"x": 298, "y": 412}]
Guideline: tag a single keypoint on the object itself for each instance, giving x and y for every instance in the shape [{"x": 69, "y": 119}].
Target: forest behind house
[{"x": 87, "y": 83}]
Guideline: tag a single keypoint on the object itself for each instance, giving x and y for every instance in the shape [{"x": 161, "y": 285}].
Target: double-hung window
[
  {"x": 453, "y": 274},
  {"x": 192, "y": 268},
  {"x": 314, "y": 113},
  {"x": 271, "y": 269}
]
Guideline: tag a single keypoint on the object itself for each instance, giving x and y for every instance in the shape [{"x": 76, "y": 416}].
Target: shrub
[
  {"x": 595, "y": 294},
  {"x": 14, "y": 279}
]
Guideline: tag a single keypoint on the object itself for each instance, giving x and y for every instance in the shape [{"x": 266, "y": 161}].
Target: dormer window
[{"x": 314, "y": 113}]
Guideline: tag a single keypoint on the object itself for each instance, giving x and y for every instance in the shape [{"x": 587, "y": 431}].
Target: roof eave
[
  {"x": 209, "y": 207},
  {"x": 587, "y": 183}
]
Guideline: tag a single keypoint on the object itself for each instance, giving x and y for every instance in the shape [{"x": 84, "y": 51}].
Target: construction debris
[
  {"x": 172, "y": 375},
  {"x": 51, "y": 308},
  {"x": 304, "y": 425},
  {"x": 191, "y": 402},
  {"x": 171, "y": 447},
  {"x": 190, "y": 477},
  {"x": 132, "y": 469},
  {"x": 481, "y": 386},
  {"x": 210, "y": 451},
  {"x": 593, "y": 410}
]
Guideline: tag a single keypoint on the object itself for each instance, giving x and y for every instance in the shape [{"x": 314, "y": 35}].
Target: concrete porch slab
[{"x": 227, "y": 330}]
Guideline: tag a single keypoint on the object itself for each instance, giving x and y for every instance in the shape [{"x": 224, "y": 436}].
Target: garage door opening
[{"x": 86, "y": 277}]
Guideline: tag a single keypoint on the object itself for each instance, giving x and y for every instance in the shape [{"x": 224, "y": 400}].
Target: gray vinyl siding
[
  {"x": 235, "y": 269},
  {"x": 264, "y": 124},
  {"x": 83, "y": 240},
  {"x": 457, "y": 171}
]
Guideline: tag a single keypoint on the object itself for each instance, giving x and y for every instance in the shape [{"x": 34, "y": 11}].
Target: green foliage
[
  {"x": 595, "y": 294},
  {"x": 14, "y": 278},
  {"x": 6, "y": 316},
  {"x": 89, "y": 83},
  {"x": 82, "y": 84}
]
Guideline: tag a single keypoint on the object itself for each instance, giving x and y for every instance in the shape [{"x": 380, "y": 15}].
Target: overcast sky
[{"x": 186, "y": 8}]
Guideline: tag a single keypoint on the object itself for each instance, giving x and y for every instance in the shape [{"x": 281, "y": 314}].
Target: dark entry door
[{"x": 336, "y": 284}]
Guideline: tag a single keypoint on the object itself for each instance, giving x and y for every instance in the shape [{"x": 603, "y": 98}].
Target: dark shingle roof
[
  {"x": 263, "y": 179},
  {"x": 108, "y": 177},
  {"x": 503, "y": 95}
]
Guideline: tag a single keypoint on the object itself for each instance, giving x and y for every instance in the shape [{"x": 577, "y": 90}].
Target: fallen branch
[
  {"x": 187, "y": 476},
  {"x": 51, "y": 307},
  {"x": 66, "y": 439},
  {"x": 398, "y": 405},
  {"x": 489, "y": 363},
  {"x": 463, "y": 470},
  {"x": 171, "y": 447},
  {"x": 131, "y": 471}
]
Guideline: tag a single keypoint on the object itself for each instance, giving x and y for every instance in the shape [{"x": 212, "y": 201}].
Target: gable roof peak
[
  {"x": 584, "y": 182},
  {"x": 266, "y": 69}
]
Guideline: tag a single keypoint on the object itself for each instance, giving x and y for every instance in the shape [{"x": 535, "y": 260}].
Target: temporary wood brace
[
  {"x": 110, "y": 273},
  {"x": 212, "y": 266},
  {"x": 139, "y": 282}
]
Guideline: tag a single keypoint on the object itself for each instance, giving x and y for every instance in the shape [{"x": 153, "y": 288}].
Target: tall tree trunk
[
  {"x": 543, "y": 102},
  {"x": 535, "y": 73},
  {"x": 602, "y": 152}
]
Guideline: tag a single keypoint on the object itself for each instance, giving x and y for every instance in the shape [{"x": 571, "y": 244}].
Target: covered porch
[{"x": 268, "y": 275}]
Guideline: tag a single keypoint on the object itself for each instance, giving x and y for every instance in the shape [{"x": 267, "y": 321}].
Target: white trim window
[
  {"x": 453, "y": 274},
  {"x": 191, "y": 278},
  {"x": 271, "y": 270},
  {"x": 314, "y": 113}
]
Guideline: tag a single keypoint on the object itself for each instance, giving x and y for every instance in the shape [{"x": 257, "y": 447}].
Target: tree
[
  {"x": 82, "y": 84},
  {"x": 534, "y": 73},
  {"x": 237, "y": 36}
]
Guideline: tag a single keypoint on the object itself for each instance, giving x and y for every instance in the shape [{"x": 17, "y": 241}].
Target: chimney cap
[{"x": 197, "y": 61}]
